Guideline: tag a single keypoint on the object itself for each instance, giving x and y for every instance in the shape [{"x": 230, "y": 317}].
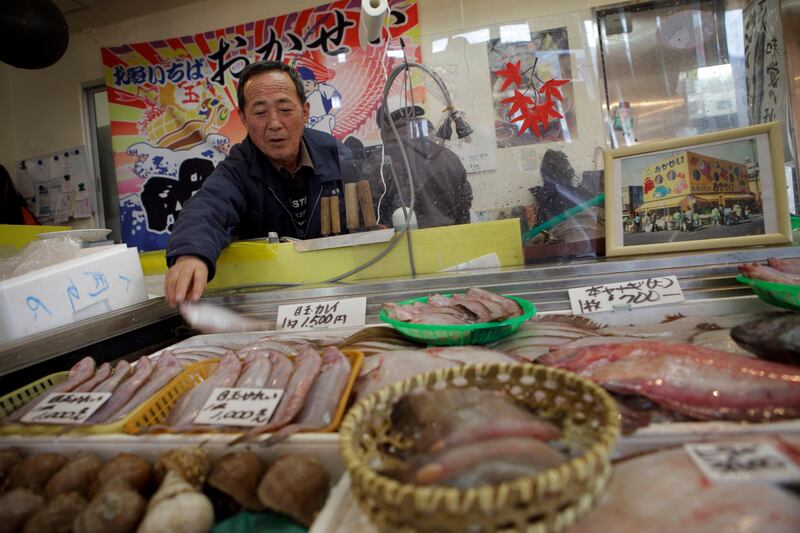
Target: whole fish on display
[
  {"x": 124, "y": 392},
  {"x": 167, "y": 367},
  {"x": 211, "y": 318},
  {"x": 776, "y": 338},
  {"x": 698, "y": 382},
  {"x": 78, "y": 374},
  {"x": 768, "y": 273},
  {"x": 790, "y": 266},
  {"x": 466, "y": 437},
  {"x": 665, "y": 491},
  {"x": 306, "y": 370},
  {"x": 121, "y": 373},
  {"x": 189, "y": 405},
  {"x": 474, "y": 306}
]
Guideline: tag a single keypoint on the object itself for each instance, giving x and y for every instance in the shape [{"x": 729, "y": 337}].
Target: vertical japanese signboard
[{"x": 173, "y": 109}]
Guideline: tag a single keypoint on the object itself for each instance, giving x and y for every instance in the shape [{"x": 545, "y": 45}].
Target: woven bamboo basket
[{"x": 553, "y": 500}]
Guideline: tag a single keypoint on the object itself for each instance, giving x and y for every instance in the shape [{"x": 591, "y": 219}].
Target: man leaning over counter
[{"x": 272, "y": 181}]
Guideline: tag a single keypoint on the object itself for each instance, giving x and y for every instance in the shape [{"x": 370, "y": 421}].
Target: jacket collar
[{"x": 322, "y": 161}]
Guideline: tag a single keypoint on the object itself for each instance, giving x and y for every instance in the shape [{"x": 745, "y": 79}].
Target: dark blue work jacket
[{"x": 243, "y": 199}]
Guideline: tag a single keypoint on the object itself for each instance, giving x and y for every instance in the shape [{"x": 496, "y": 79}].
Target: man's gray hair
[{"x": 267, "y": 66}]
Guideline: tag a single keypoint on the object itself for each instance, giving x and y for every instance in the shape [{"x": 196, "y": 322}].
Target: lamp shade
[{"x": 33, "y": 33}]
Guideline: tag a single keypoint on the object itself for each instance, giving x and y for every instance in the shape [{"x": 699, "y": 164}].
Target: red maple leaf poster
[{"x": 531, "y": 89}]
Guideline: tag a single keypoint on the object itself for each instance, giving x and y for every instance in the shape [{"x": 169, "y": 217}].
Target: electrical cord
[
  {"x": 408, "y": 211},
  {"x": 383, "y": 146}
]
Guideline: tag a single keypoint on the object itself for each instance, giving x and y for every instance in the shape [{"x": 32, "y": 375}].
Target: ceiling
[{"x": 85, "y": 15}]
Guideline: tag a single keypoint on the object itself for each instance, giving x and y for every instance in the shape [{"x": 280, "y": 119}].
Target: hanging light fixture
[{"x": 33, "y": 33}]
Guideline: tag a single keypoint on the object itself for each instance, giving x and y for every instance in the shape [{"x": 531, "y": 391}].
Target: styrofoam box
[{"x": 102, "y": 280}]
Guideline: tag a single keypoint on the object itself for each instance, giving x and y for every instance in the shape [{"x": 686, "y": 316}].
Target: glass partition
[{"x": 544, "y": 97}]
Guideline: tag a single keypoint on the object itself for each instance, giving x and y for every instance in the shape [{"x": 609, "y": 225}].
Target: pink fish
[
  {"x": 121, "y": 372},
  {"x": 511, "y": 457},
  {"x": 767, "y": 273},
  {"x": 699, "y": 382},
  {"x": 167, "y": 367},
  {"x": 282, "y": 369},
  {"x": 790, "y": 266},
  {"x": 81, "y": 372},
  {"x": 142, "y": 372},
  {"x": 101, "y": 374},
  {"x": 255, "y": 370},
  {"x": 189, "y": 405},
  {"x": 323, "y": 399},
  {"x": 307, "y": 368}
]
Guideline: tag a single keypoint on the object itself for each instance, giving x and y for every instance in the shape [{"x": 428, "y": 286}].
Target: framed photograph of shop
[{"x": 718, "y": 190}]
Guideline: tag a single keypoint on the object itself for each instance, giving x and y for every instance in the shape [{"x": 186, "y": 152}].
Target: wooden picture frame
[{"x": 731, "y": 183}]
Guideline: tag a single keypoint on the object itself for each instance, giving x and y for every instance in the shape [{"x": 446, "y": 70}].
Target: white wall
[{"x": 43, "y": 109}]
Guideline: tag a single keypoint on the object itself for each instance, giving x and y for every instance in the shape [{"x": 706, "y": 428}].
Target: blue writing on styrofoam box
[
  {"x": 128, "y": 282},
  {"x": 35, "y": 305}
]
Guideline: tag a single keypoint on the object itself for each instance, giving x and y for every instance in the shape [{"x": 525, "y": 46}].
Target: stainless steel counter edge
[{"x": 702, "y": 276}]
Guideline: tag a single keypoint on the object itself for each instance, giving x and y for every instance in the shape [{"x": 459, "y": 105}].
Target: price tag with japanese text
[
  {"x": 626, "y": 295},
  {"x": 743, "y": 461},
  {"x": 322, "y": 315},
  {"x": 239, "y": 407},
  {"x": 66, "y": 407}
]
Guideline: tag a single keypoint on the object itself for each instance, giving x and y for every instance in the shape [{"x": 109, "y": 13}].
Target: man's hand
[{"x": 185, "y": 280}]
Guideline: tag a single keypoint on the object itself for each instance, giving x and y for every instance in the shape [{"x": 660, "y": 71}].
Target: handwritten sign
[
  {"x": 323, "y": 315},
  {"x": 743, "y": 461},
  {"x": 66, "y": 408},
  {"x": 239, "y": 407},
  {"x": 626, "y": 295}
]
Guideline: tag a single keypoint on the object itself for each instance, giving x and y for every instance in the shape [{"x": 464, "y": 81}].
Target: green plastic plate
[
  {"x": 460, "y": 334},
  {"x": 777, "y": 294}
]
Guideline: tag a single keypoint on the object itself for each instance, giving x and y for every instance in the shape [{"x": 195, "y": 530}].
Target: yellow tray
[
  {"x": 14, "y": 400},
  {"x": 154, "y": 412}
]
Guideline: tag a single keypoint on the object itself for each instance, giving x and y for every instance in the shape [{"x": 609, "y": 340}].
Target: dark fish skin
[{"x": 775, "y": 338}]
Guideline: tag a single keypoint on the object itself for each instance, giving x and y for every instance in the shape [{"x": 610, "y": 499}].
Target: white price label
[
  {"x": 743, "y": 461},
  {"x": 66, "y": 407},
  {"x": 626, "y": 295},
  {"x": 323, "y": 315},
  {"x": 239, "y": 407}
]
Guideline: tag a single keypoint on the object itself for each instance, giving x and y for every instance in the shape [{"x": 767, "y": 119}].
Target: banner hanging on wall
[{"x": 173, "y": 110}]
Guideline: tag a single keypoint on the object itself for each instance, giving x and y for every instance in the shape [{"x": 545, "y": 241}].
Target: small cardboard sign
[
  {"x": 66, "y": 408},
  {"x": 343, "y": 313},
  {"x": 743, "y": 461},
  {"x": 239, "y": 407},
  {"x": 625, "y": 295}
]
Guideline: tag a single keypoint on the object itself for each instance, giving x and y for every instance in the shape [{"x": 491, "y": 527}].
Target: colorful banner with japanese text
[{"x": 173, "y": 109}]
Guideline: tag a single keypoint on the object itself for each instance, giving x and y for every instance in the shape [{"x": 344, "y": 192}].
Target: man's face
[
  {"x": 309, "y": 86},
  {"x": 274, "y": 117}
]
